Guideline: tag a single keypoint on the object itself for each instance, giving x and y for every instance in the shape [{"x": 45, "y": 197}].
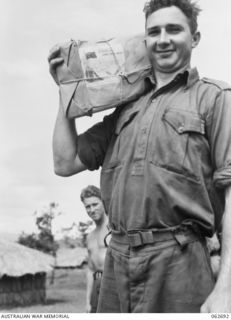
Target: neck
[
  {"x": 162, "y": 79},
  {"x": 101, "y": 222}
]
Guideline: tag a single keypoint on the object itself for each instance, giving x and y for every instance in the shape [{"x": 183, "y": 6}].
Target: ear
[{"x": 196, "y": 39}]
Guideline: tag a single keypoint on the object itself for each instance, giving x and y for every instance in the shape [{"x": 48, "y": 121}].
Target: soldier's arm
[
  {"x": 89, "y": 276},
  {"x": 90, "y": 280},
  {"x": 65, "y": 147},
  {"x": 65, "y": 137}
]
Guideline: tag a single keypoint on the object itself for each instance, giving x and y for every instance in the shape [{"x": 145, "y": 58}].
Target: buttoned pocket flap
[{"x": 183, "y": 121}]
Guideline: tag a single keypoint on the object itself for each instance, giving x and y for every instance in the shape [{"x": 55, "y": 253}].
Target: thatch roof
[
  {"x": 17, "y": 260},
  {"x": 71, "y": 258}
]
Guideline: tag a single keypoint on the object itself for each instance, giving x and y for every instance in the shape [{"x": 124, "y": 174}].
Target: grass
[{"x": 65, "y": 295}]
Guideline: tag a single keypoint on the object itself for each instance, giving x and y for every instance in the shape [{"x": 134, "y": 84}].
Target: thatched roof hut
[
  {"x": 22, "y": 274},
  {"x": 71, "y": 258}
]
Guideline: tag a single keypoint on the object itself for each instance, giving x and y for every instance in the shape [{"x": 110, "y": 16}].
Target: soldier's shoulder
[{"x": 222, "y": 85}]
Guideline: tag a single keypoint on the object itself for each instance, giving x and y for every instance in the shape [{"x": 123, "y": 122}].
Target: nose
[
  {"x": 91, "y": 210},
  {"x": 163, "y": 38}
]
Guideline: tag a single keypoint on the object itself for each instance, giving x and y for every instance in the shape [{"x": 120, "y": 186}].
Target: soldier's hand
[{"x": 54, "y": 60}]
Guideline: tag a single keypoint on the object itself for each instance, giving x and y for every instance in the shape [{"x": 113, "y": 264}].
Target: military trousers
[{"x": 172, "y": 275}]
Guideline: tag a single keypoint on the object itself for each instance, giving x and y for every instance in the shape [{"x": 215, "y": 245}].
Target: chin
[{"x": 168, "y": 68}]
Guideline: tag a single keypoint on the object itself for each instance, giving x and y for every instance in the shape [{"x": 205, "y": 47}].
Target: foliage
[
  {"x": 28, "y": 240},
  {"x": 44, "y": 240},
  {"x": 84, "y": 229}
]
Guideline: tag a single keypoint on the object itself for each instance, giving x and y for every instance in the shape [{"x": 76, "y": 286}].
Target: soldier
[
  {"x": 91, "y": 198},
  {"x": 166, "y": 161}
]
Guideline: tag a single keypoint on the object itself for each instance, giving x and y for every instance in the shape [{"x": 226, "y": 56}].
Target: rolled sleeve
[
  {"x": 93, "y": 144},
  {"x": 220, "y": 139},
  {"x": 222, "y": 177}
]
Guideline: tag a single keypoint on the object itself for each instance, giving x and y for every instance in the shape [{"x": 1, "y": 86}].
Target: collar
[{"x": 190, "y": 75}]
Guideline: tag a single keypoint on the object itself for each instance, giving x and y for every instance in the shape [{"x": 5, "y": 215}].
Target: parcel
[{"x": 96, "y": 76}]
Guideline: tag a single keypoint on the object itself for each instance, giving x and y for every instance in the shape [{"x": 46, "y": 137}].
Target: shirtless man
[{"x": 91, "y": 198}]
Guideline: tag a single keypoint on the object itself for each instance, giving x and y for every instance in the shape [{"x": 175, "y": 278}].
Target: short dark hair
[
  {"x": 189, "y": 8},
  {"x": 90, "y": 191}
]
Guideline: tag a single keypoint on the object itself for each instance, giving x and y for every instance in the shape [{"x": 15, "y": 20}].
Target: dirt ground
[{"x": 65, "y": 295}]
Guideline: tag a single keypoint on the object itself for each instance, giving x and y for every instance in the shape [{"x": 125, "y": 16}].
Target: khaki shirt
[{"x": 166, "y": 158}]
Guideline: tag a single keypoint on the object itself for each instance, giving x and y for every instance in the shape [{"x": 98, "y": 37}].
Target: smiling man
[
  {"x": 165, "y": 178},
  {"x": 91, "y": 198},
  {"x": 170, "y": 41}
]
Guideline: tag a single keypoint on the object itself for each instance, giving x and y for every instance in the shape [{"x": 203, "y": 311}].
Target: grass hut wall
[{"x": 22, "y": 274}]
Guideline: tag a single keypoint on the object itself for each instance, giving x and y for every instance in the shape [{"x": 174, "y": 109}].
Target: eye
[
  {"x": 174, "y": 29},
  {"x": 153, "y": 32}
]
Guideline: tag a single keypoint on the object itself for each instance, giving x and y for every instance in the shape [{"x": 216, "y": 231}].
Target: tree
[
  {"x": 28, "y": 240},
  {"x": 84, "y": 229},
  {"x": 44, "y": 221},
  {"x": 44, "y": 240}
]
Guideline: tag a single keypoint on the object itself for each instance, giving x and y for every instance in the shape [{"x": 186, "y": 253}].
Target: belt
[
  {"x": 97, "y": 274},
  {"x": 139, "y": 238}
]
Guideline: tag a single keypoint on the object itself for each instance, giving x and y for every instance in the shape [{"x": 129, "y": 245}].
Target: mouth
[
  {"x": 94, "y": 216},
  {"x": 164, "y": 51}
]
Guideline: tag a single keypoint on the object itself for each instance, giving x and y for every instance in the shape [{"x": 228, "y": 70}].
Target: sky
[{"x": 29, "y": 97}]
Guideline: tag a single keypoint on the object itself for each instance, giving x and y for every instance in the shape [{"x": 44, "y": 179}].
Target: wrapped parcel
[{"x": 96, "y": 76}]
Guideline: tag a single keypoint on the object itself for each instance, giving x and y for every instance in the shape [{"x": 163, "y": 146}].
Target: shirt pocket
[
  {"x": 125, "y": 118},
  {"x": 117, "y": 154},
  {"x": 121, "y": 140},
  {"x": 177, "y": 144},
  {"x": 125, "y": 132},
  {"x": 109, "y": 177}
]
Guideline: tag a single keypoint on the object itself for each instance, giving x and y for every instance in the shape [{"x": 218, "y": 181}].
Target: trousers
[{"x": 172, "y": 275}]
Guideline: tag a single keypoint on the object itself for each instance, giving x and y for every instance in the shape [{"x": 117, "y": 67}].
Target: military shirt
[{"x": 166, "y": 157}]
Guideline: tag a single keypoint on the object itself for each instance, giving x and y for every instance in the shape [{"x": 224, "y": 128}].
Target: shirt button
[{"x": 181, "y": 129}]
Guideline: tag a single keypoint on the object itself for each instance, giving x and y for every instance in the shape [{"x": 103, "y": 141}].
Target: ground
[{"x": 65, "y": 295}]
